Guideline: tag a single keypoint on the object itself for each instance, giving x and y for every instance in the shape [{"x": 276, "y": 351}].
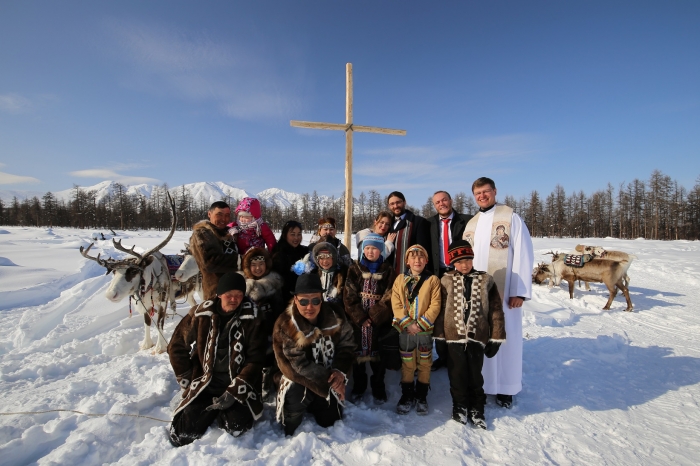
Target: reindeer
[
  {"x": 143, "y": 277},
  {"x": 602, "y": 253},
  {"x": 189, "y": 276},
  {"x": 609, "y": 272}
]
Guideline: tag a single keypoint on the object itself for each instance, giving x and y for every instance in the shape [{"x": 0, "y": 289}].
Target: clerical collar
[{"x": 481, "y": 209}]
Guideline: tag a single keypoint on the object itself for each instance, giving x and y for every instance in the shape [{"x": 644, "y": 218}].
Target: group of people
[{"x": 307, "y": 320}]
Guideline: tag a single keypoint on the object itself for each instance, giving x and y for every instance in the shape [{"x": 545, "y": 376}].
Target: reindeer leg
[
  {"x": 162, "y": 345},
  {"x": 626, "y": 293},
  {"x": 613, "y": 293},
  {"x": 147, "y": 342},
  {"x": 572, "y": 282},
  {"x": 588, "y": 286}
]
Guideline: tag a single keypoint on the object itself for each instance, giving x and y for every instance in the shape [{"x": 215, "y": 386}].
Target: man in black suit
[
  {"x": 410, "y": 229},
  {"x": 446, "y": 226}
]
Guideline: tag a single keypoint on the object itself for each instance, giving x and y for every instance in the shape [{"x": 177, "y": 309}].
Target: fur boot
[
  {"x": 408, "y": 398},
  {"x": 422, "y": 398}
]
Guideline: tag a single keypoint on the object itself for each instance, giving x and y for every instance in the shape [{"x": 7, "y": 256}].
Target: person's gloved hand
[
  {"x": 491, "y": 348},
  {"x": 223, "y": 402}
]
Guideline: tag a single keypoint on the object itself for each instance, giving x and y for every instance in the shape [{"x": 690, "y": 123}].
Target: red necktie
[{"x": 445, "y": 239}]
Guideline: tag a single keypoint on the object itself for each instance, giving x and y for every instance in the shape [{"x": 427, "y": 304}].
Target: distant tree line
[{"x": 657, "y": 208}]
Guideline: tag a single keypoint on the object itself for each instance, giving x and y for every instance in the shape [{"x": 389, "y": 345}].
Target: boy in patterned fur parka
[
  {"x": 472, "y": 323},
  {"x": 217, "y": 353},
  {"x": 315, "y": 349}
]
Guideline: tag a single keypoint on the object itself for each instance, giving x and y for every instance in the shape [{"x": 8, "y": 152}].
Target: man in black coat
[
  {"x": 410, "y": 229},
  {"x": 445, "y": 227}
]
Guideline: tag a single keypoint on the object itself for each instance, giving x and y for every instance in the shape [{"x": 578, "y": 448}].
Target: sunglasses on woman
[{"x": 305, "y": 301}]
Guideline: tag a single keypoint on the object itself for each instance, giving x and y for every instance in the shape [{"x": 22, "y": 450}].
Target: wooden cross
[{"x": 349, "y": 128}]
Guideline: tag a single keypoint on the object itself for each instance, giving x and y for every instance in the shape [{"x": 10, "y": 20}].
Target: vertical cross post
[
  {"x": 349, "y": 127},
  {"x": 348, "y": 156}
]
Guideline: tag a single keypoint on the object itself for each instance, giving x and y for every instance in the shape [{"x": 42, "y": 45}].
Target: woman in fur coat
[
  {"x": 367, "y": 299},
  {"x": 286, "y": 252},
  {"x": 264, "y": 288}
]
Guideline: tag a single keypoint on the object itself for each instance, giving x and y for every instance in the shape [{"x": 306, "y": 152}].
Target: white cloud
[
  {"x": 452, "y": 167},
  {"x": 112, "y": 175},
  {"x": 507, "y": 145},
  {"x": 14, "y": 103},
  {"x": 240, "y": 82},
  {"x": 8, "y": 178}
]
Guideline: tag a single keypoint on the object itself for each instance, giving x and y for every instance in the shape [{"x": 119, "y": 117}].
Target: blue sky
[{"x": 529, "y": 93}]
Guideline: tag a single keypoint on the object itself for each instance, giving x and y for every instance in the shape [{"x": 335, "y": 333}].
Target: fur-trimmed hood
[
  {"x": 248, "y": 258},
  {"x": 318, "y": 247},
  {"x": 262, "y": 288},
  {"x": 305, "y": 333}
]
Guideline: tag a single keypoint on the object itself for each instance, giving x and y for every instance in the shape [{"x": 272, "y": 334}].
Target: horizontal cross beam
[{"x": 344, "y": 127}]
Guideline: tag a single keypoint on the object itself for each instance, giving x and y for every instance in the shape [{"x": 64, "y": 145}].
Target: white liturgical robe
[{"x": 503, "y": 373}]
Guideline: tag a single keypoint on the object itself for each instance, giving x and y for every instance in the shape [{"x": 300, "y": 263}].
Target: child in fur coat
[
  {"x": 415, "y": 300},
  {"x": 367, "y": 299},
  {"x": 249, "y": 229},
  {"x": 323, "y": 260},
  {"x": 472, "y": 323},
  {"x": 264, "y": 288}
]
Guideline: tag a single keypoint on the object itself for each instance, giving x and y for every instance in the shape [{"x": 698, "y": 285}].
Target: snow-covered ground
[{"x": 600, "y": 387}]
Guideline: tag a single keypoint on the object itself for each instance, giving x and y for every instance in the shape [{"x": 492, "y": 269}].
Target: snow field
[{"x": 600, "y": 387}]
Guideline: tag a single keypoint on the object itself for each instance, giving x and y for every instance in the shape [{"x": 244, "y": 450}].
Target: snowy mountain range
[{"x": 208, "y": 190}]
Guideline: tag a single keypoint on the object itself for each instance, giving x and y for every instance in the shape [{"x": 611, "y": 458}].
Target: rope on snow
[{"x": 84, "y": 414}]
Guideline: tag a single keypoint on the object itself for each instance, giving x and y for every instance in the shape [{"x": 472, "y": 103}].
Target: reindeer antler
[
  {"x": 108, "y": 264},
  {"x": 172, "y": 229},
  {"x": 118, "y": 245},
  {"x": 84, "y": 252}
]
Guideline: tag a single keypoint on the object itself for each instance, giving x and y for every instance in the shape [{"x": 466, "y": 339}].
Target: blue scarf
[{"x": 372, "y": 266}]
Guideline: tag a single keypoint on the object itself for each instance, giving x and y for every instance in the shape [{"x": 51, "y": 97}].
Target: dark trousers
[
  {"x": 192, "y": 422},
  {"x": 359, "y": 375},
  {"x": 300, "y": 399},
  {"x": 441, "y": 350},
  {"x": 441, "y": 345},
  {"x": 464, "y": 370}
]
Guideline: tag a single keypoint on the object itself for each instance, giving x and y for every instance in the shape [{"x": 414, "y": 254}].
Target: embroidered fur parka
[
  {"x": 215, "y": 253},
  {"x": 265, "y": 291},
  {"x": 335, "y": 286},
  {"x": 424, "y": 311},
  {"x": 485, "y": 321},
  {"x": 298, "y": 346},
  {"x": 380, "y": 313},
  {"x": 192, "y": 352}
]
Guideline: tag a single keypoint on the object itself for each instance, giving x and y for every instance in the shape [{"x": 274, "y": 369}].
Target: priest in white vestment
[{"x": 503, "y": 248}]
